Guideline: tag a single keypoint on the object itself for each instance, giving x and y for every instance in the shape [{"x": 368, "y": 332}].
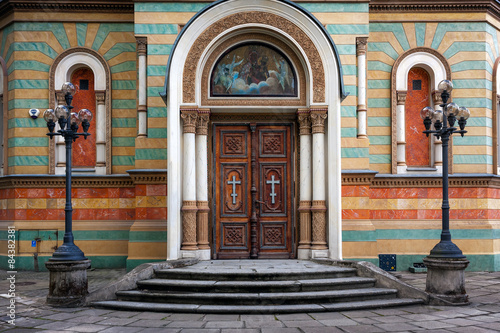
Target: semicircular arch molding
[{"x": 496, "y": 117}]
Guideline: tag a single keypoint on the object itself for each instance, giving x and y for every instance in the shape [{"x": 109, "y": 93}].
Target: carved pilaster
[
  {"x": 202, "y": 121},
  {"x": 189, "y": 210},
  {"x": 305, "y": 225},
  {"x": 319, "y": 225},
  {"x": 318, "y": 117},
  {"x": 401, "y": 95},
  {"x": 304, "y": 119},
  {"x": 202, "y": 230},
  {"x": 361, "y": 43},
  {"x": 189, "y": 117},
  {"x": 142, "y": 45}
]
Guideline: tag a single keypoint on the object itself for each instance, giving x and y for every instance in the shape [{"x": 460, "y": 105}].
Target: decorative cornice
[
  {"x": 60, "y": 181},
  {"x": 358, "y": 178},
  {"x": 67, "y": 6},
  {"x": 489, "y": 181},
  {"x": 148, "y": 177}
]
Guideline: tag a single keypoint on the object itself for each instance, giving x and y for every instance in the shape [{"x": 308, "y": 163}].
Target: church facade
[{"x": 254, "y": 129}]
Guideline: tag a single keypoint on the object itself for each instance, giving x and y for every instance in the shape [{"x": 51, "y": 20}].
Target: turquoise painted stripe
[
  {"x": 28, "y": 104},
  {"x": 6, "y": 32},
  {"x": 336, "y": 7},
  {"x": 170, "y": 7},
  {"x": 28, "y": 65},
  {"x": 380, "y": 139},
  {"x": 26, "y": 122},
  {"x": 358, "y": 236},
  {"x": 420, "y": 33},
  {"x": 474, "y": 102},
  {"x": 479, "y": 122},
  {"x": 124, "y": 67},
  {"x": 380, "y": 159},
  {"x": 435, "y": 233},
  {"x": 443, "y": 28},
  {"x": 56, "y": 28},
  {"x": 31, "y": 46},
  {"x": 349, "y": 69},
  {"x": 348, "y": 132},
  {"x": 123, "y": 160},
  {"x": 468, "y": 140},
  {"x": 28, "y": 142},
  {"x": 157, "y": 112},
  {"x": 396, "y": 28},
  {"x": 379, "y": 121},
  {"x": 346, "y": 49},
  {"x": 151, "y": 154},
  {"x": 123, "y": 122},
  {"x": 124, "y": 103},
  {"x": 457, "y": 47},
  {"x": 156, "y": 70},
  {"x": 124, "y": 84},
  {"x": 123, "y": 142},
  {"x": 28, "y": 84},
  {"x": 471, "y": 65},
  {"x": 158, "y": 49},
  {"x": 154, "y": 91},
  {"x": 98, "y": 234},
  {"x": 493, "y": 32},
  {"x": 379, "y": 66},
  {"x": 347, "y": 29},
  {"x": 156, "y": 29},
  {"x": 354, "y": 152},
  {"x": 348, "y": 111},
  {"x": 350, "y": 90},
  {"x": 157, "y": 133},
  {"x": 379, "y": 103},
  {"x": 473, "y": 159},
  {"x": 28, "y": 160},
  {"x": 472, "y": 84},
  {"x": 380, "y": 84},
  {"x": 106, "y": 28},
  {"x": 148, "y": 236},
  {"x": 81, "y": 33},
  {"x": 118, "y": 49},
  {"x": 383, "y": 47}
]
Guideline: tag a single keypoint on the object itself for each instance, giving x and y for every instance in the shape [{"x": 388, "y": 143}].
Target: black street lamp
[{"x": 68, "y": 122}]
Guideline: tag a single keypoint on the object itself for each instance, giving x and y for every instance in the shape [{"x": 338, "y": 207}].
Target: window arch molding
[
  {"x": 438, "y": 69},
  {"x": 3, "y": 118},
  {"x": 61, "y": 70},
  {"x": 495, "y": 116}
]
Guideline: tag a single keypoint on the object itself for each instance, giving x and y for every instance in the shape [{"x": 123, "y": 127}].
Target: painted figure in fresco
[{"x": 226, "y": 74}]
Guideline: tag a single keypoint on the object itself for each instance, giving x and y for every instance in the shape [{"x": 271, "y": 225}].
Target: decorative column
[
  {"x": 60, "y": 145},
  {"x": 318, "y": 117},
  {"x": 202, "y": 183},
  {"x": 100, "y": 133},
  {"x": 401, "y": 130},
  {"x": 361, "y": 54},
  {"x": 142, "y": 110},
  {"x": 438, "y": 144},
  {"x": 189, "y": 181},
  {"x": 305, "y": 190}
]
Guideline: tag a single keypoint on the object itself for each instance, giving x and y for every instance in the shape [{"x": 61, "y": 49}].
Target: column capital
[
  {"x": 361, "y": 43},
  {"x": 100, "y": 97},
  {"x": 304, "y": 119},
  {"x": 142, "y": 45},
  {"x": 318, "y": 117},
  {"x": 202, "y": 121},
  {"x": 189, "y": 117},
  {"x": 60, "y": 98},
  {"x": 436, "y": 97},
  {"x": 401, "y": 95}
]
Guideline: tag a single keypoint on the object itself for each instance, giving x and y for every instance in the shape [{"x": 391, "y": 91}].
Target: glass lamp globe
[
  {"x": 427, "y": 112},
  {"x": 452, "y": 109},
  {"x": 74, "y": 118},
  {"x": 445, "y": 85},
  {"x": 438, "y": 116},
  {"x": 62, "y": 111},
  {"x": 85, "y": 114},
  {"x": 463, "y": 112},
  {"x": 68, "y": 88},
  {"x": 49, "y": 115}
]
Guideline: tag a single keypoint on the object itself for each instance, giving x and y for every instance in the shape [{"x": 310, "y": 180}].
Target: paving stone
[
  {"x": 367, "y": 321},
  {"x": 56, "y": 325},
  {"x": 281, "y": 330},
  {"x": 338, "y": 322},
  {"x": 224, "y": 324},
  {"x": 359, "y": 314},
  {"x": 221, "y": 317},
  {"x": 361, "y": 329},
  {"x": 449, "y": 314},
  {"x": 117, "y": 321},
  {"x": 240, "y": 330},
  {"x": 258, "y": 317},
  {"x": 485, "y": 318},
  {"x": 327, "y": 315},
  {"x": 302, "y": 323},
  {"x": 61, "y": 316},
  {"x": 185, "y": 316},
  {"x": 186, "y": 324},
  {"x": 29, "y": 322},
  {"x": 322, "y": 330},
  {"x": 122, "y": 329},
  {"x": 152, "y": 315},
  {"x": 461, "y": 322},
  {"x": 389, "y": 319},
  {"x": 263, "y": 324},
  {"x": 293, "y": 316},
  {"x": 468, "y": 330},
  {"x": 123, "y": 314},
  {"x": 86, "y": 319},
  {"x": 87, "y": 328},
  {"x": 397, "y": 327},
  {"x": 161, "y": 330},
  {"x": 432, "y": 325},
  {"x": 94, "y": 312},
  {"x": 210, "y": 330},
  {"x": 390, "y": 312},
  {"x": 150, "y": 323},
  {"x": 471, "y": 311},
  {"x": 421, "y": 317},
  {"x": 493, "y": 326}
]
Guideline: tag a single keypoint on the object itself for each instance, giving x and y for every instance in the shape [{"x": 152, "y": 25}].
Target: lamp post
[
  {"x": 68, "y": 264},
  {"x": 446, "y": 262}
]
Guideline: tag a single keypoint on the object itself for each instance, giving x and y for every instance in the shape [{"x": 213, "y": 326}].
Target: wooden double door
[{"x": 253, "y": 191}]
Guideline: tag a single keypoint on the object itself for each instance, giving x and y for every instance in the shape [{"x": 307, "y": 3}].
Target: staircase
[{"x": 256, "y": 286}]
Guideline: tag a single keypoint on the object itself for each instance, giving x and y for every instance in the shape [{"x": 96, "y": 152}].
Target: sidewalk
[{"x": 32, "y": 315}]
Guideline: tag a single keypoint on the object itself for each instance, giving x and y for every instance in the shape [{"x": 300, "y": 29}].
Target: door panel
[{"x": 233, "y": 187}]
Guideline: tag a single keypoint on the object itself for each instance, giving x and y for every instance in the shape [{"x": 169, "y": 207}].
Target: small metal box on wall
[{"x": 387, "y": 262}]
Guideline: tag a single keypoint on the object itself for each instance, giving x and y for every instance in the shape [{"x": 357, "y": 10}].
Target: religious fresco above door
[{"x": 253, "y": 70}]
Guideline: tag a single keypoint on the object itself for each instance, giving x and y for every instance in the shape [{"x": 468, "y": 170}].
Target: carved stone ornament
[
  {"x": 361, "y": 43},
  {"x": 401, "y": 97},
  {"x": 202, "y": 121},
  {"x": 100, "y": 97},
  {"x": 436, "y": 98},
  {"x": 319, "y": 225},
  {"x": 189, "y": 241},
  {"x": 189, "y": 117},
  {"x": 304, "y": 119},
  {"x": 318, "y": 117},
  {"x": 142, "y": 45}
]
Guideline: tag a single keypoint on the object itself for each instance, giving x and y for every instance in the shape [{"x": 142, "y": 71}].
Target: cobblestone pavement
[{"x": 32, "y": 315}]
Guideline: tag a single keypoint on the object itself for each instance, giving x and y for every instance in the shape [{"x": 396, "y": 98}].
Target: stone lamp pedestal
[
  {"x": 446, "y": 279},
  {"x": 68, "y": 286}
]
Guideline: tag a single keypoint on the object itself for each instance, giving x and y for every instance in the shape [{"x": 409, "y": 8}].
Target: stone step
[
  {"x": 248, "y": 274},
  {"x": 256, "y": 309},
  {"x": 256, "y": 286},
  {"x": 278, "y": 298}
]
